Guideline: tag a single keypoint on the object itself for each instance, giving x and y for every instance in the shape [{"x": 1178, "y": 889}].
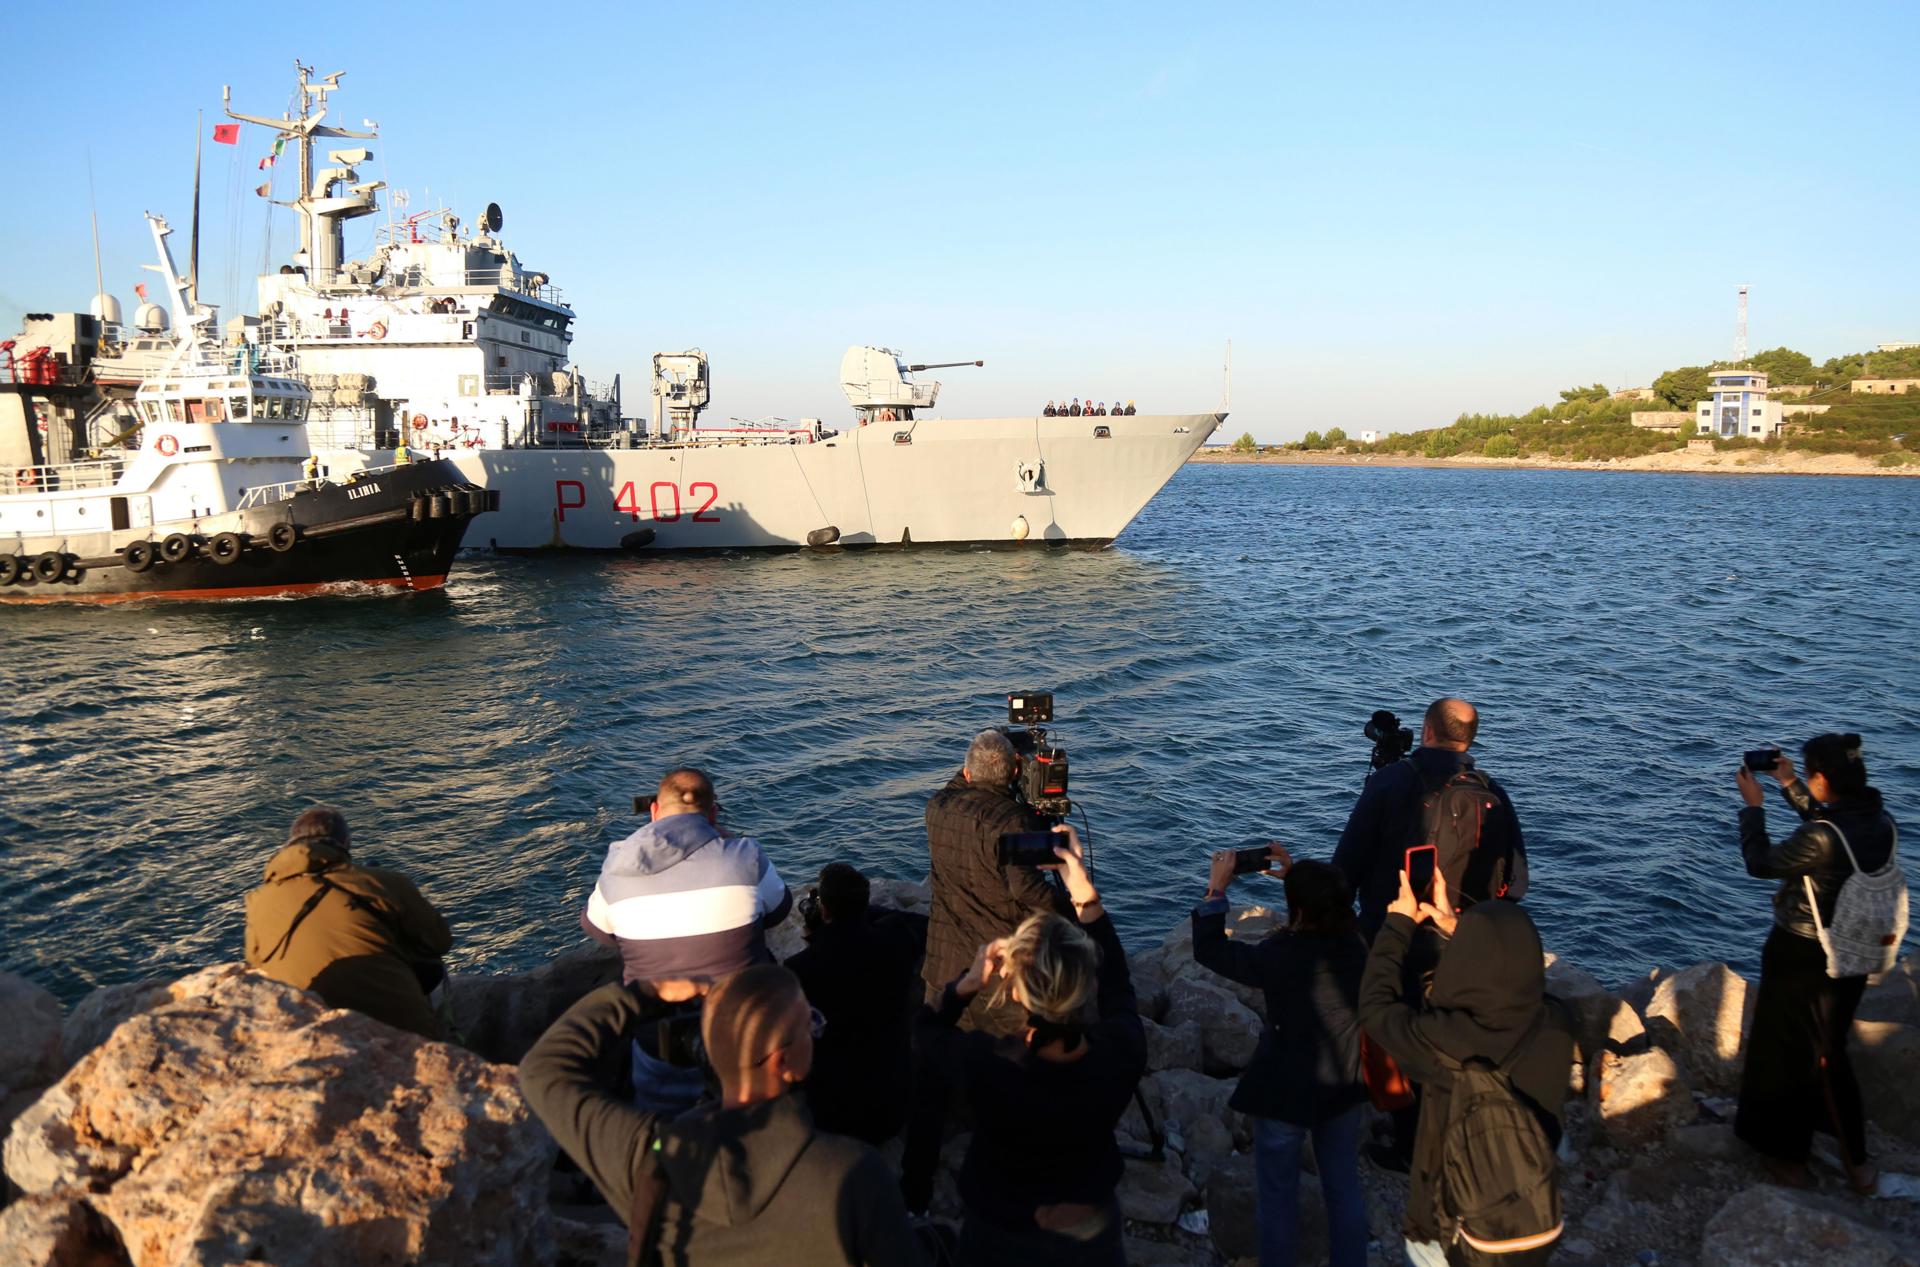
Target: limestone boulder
[
  {"x": 1186, "y": 1096},
  {"x": 1229, "y": 1030},
  {"x": 1765, "y": 1226},
  {"x": 242, "y": 1120},
  {"x": 1637, "y": 1099},
  {"x": 1893, "y": 996},
  {"x": 1886, "y": 1059},
  {"x": 57, "y": 1231},
  {"x": 1153, "y": 1192},
  {"x": 1148, "y": 970},
  {"x": 1702, "y": 1014},
  {"x": 29, "y": 1043},
  {"x": 100, "y": 1013},
  {"x": 1173, "y": 1046},
  {"x": 501, "y": 1017},
  {"x": 1591, "y": 1005}
]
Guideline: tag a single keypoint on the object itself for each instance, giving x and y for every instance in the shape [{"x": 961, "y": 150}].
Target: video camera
[
  {"x": 1043, "y": 765},
  {"x": 1391, "y": 740}
]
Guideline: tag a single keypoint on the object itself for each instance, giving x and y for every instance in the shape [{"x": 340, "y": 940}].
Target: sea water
[{"x": 1626, "y": 636}]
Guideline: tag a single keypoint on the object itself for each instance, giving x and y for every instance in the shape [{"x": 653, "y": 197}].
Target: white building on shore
[{"x": 1740, "y": 407}]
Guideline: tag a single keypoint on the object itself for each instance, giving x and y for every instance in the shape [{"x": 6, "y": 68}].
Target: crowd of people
[
  {"x": 734, "y": 1110},
  {"x": 1074, "y": 409}
]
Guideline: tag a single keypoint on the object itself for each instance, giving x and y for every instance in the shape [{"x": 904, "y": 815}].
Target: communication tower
[{"x": 1740, "y": 331}]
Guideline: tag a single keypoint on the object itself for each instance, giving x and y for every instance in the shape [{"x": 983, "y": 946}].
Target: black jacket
[
  {"x": 862, "y": 977},
  {"x": 743, "y": 1185},
  {"x": 974, "y": 899},
  {"x": 1307, "y": 1067},
  {"x": 1386, "y": 820},
  {"x": 1043, "y": 1131},
  {"x": 1814, "y": 851},
  {"x": 1488, "y": 988}
]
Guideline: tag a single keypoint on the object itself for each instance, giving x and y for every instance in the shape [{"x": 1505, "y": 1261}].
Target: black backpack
[
  {"x": 1460, "y": 818},
  {"x": 1497, "y": 1186}
]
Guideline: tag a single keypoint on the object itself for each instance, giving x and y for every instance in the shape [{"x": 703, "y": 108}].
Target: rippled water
[{"x": 1625, "y": 636}]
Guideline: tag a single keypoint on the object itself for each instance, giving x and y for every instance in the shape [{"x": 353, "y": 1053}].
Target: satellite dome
[
  {"x": 150, "y": 317},
  {"x": 106, "y": 308}
]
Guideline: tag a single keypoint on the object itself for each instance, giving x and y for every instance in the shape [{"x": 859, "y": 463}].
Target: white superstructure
[{"x": 442, "y": 341}]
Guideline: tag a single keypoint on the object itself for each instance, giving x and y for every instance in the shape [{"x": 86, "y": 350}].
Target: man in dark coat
[
  {"x": 1489, "y": 989},
  {"x": 975, "y": 899}
]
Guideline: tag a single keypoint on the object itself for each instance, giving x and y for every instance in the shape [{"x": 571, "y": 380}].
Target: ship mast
[{"x": 321, "y": 244}]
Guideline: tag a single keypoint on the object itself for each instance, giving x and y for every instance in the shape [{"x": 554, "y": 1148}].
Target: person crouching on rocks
[
  {"x": 747, "y": 1180},
  {"x": 1304, "y": 1079},
  {"x": 358, "y": 937},
  {"x": 1040, "y": 1175},
  {"x": 1798, "y": 1076},
  {"x": 1493, "y": 1056}
]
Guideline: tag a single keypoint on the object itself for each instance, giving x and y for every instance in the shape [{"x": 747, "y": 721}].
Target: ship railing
[
  {"x": 35, "y": 371},
  {"x": 267, "y": 494},
  {"x": 62, "y": 477},
  {"x": 505, "y": 279}
]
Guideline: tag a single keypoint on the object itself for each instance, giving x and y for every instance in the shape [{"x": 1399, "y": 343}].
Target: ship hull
[
  {"x": 378, "y": 531},
  {"x": 994, "y": 481}
]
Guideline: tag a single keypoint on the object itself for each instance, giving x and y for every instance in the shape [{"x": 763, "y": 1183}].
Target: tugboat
[{"x": 212, "y": 493}]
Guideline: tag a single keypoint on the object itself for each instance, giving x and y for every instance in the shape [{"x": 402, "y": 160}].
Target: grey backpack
[{"x": 1869, "y": 914}]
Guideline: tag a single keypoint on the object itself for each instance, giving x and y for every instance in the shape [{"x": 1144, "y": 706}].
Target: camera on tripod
[
  {"x": 1043, "y": 765},
  {"x": 1391, "y": 740}
]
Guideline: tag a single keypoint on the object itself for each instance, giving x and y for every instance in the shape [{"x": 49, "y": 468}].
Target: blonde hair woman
[{"x": 1039, "y": 1177}]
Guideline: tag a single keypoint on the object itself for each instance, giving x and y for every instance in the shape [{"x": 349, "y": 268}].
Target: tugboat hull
[{"x": 395, "y": 529}]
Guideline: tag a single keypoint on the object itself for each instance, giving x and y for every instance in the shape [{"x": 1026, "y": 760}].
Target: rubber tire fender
[
  {"x": 438, "y": 507},
  {"x": 51, "y": 566},
  {"x": 226, "y": 548},
  {"x": 282, "y": 537},
  {"x": 11, "y": 566},
  {"x": 138, "y": 556},
  {"x": 176, "y": 547}
]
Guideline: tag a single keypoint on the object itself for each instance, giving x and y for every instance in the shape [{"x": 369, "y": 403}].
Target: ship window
[
  {"x": 296, "y": 409},
  {"x": 270, "y": 407},
  {"x": 239, "y": 408},
  {"x": 175, "y": 413}
]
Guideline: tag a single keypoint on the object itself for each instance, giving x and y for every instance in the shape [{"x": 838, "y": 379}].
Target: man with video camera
[
  {"x": 1434, "y": 794},
  {"x": 747, "y": 1180}
]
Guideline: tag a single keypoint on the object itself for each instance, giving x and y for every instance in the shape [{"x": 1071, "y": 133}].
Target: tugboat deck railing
[{"x": 62, "y": 477}]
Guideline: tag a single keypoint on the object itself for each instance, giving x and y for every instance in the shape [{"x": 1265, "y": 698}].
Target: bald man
[
  {"x": 746, "y": 1180},
  {"x": 1389, "y": 817}
]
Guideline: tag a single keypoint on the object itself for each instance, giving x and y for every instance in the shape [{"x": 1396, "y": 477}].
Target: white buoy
[{"x": 1019, "y": 527}]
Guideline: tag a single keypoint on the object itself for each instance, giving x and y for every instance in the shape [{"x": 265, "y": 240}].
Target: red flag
[
  {"x": 266, "y": 162},
  {"x": 227, "y": 133},
  {"x": 265, "y": 190},
  {"x": 140, "y": 289}
]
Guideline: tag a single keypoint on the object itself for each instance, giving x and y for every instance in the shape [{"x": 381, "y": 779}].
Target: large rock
[
  {"x": 1592, "y": 1006},
  {"x": 100, "y": 1013},
  {"x": 57, "y": 1231},
  {"x": 1229, "y": 1030},
  {"x": 1173, "y": 1046},
  {"x": 1153, "y": 1192},
  {"x": 1148, "y": 969},
  {"x": 29, "y": 1043},
  {"x": 244, "y": 1121},
  {"x": 1765, "y": 1226},
  {"x": 1702, "y": 1014},
  {"x": 501, "y": 1017},
  {"x": 1637, "y": 1099},
  {"x": 1894, "y": 996},
  {"x": 1886, "y": 1058}
]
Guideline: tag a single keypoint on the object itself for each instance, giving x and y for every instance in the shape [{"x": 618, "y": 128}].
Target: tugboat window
[
  {"x": 239, "y": 406},
  {"x": 175, "y": 413}
]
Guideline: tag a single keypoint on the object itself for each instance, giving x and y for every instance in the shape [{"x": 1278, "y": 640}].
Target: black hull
[{"x": 379, "y": 531}]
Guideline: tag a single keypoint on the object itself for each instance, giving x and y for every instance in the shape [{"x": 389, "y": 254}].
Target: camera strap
[{"x": 649, "y": 1203}]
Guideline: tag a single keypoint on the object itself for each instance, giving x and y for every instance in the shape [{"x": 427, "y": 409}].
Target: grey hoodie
[{"x": 743, "y": 1185}]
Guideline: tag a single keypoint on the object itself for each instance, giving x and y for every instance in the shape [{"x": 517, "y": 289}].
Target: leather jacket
[{"x": 1813, "y": 850}]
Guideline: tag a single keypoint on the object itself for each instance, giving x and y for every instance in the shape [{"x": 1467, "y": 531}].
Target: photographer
[
  {"x": 749, "y": 1180},
  {"x": 1391, "y": 816},
  {"x": 1039, "y": 1176},
  {"x": 1798, "y": 1076},
  {"x": 1304, "y": 1079},
  {"x": 860, "y": 970},
  {"x": 975, "y": 899}
]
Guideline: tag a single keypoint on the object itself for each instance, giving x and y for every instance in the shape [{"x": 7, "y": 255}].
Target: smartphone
[
  {"x": 1762, "y": 760},
  {"x": 1421, "y": 861},
  {"x": 1030, "y": 848},
  {"x": 1250, "y": 859}
]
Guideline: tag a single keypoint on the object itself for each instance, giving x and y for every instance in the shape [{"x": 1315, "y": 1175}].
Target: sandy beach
[{"x": 1750, "y": 462}]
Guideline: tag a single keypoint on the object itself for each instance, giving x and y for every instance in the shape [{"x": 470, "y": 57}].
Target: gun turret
[
  {"x": 941, "y": 365},
  {"x": 875, "y": 381}
]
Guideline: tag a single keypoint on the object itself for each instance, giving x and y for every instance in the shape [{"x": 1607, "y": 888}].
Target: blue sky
[{"x": 1395, "y": 213}]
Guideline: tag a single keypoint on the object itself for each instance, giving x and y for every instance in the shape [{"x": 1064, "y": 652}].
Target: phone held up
[
  {"x": 1029, "y": 849},
  {"x": 1761, "y": 760},
  {"x": 1250, "y": 857},
  {"x": 1421, "y": 861}
]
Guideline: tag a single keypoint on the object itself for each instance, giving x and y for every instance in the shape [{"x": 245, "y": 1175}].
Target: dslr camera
[
  {"x": 1391, "y": 740},
  {"x": 1043, "y": 765}
]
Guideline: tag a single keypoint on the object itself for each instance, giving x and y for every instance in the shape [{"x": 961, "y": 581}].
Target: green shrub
[
  {"x": 1245, "y": 443},
  {"x": 1501, "y": 447},
  {"x": 1898, "y": 458}
]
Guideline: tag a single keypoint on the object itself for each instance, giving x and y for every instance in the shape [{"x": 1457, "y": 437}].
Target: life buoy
[
  {"x": 26, "y": 477},
  {"x": 378, "y": 330},
  {"x": 419, "y": 422},
  {"x": 166, "y": 446}
]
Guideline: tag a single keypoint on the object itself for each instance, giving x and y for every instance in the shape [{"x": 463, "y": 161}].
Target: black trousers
[{"x": 1798, "y": 1076}]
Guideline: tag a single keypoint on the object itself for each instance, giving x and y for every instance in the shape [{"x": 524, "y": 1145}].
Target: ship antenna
[
  {"x": 1226, "y": 387},
  {"x": 193, "y": 249},
  {"x": 93, "y": 207}
]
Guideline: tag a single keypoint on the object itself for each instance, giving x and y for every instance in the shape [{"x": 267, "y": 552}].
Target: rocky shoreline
[
  {"x": 1681, "y": 462},
  {"x": 226, "y": 1118}
]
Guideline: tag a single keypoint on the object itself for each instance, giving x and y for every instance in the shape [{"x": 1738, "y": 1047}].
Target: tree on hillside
[
  {"x": 1245, "y": 443},
  {"x": 1596, "y": 392},
  {"x": 1683, "y": 387},
  {"x": 1311, "y": 440},
  {"x": 1784, "y": 365},
  {"x": 1904, "y": 363},
  {"x": 1336, "y": 435}
]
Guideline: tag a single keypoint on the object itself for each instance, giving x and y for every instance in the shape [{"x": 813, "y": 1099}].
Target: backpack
[
  {"x": 1869, "y": 913},
  {"x": 1459, "y": 819},
  {"x": 1497, "y": 1185}
]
